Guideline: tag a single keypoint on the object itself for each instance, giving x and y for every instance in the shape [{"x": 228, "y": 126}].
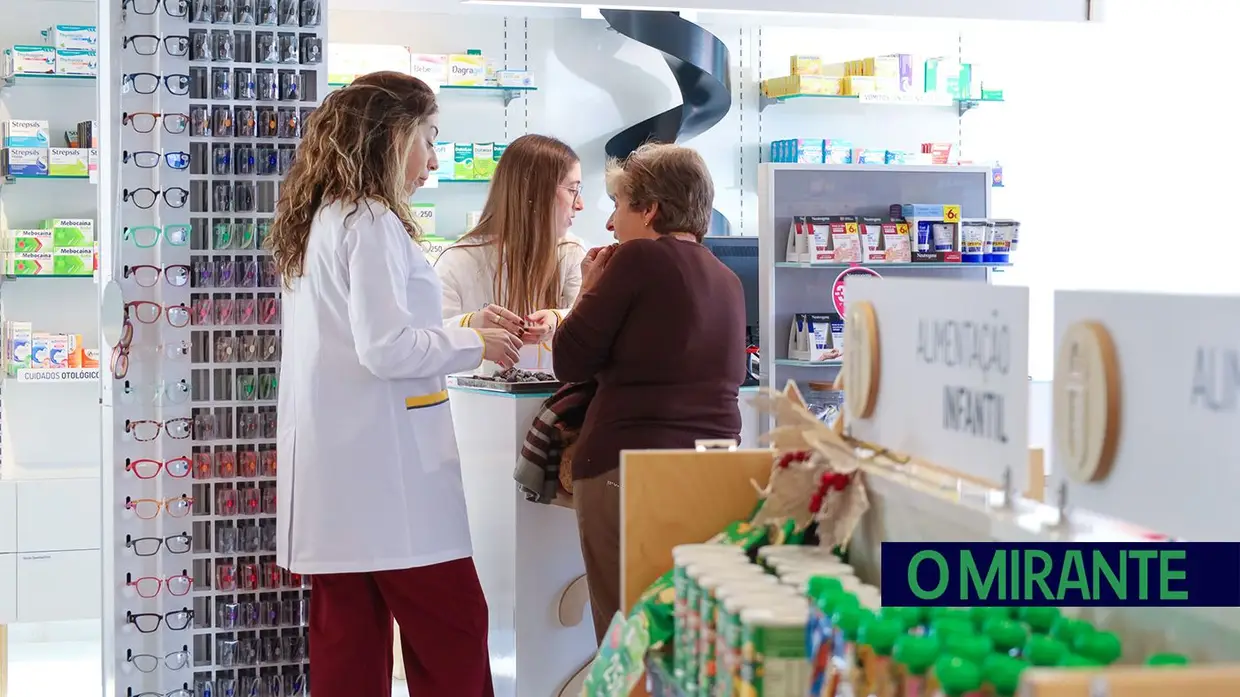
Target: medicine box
[
  {"x": 73, "y": 36},
  {"x": 70, "y": 232},
  {"x": 484, "y": 160},
  {"x": 29, "y": 60},
  {"x": 463, "y": 161},
  {"x": 30, "y": 264},
  {"x": 514, "y": 78},
  {"x": 68, "y": 162},
  {"x": 498, "y": 150},
  {"x": 74, "y": 261},
  {"x": 431, "y": 68},
  {"x": 17, "y": 345},
  {"x": 24, "y": 162},
  {"x": 802, "y": 150},
  {"x": 27, "y": 241},
  {"x": 76, "y": 61},
  {"x": 424, "y": 216},
  {"x": 22, "y": 133},
  {"x": 466, "y": 70}
]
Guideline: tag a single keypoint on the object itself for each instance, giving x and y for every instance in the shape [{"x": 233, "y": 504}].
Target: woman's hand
[
  {"x": 494, "y": 316},
  {"x": 500, "y": 346},
  {"x": 540, "y": 326},
  {"x": 594, "y": 263}
]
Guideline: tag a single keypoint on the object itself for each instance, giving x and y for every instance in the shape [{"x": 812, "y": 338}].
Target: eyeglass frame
[
  {"x": 167, "y": 157},
  {"x": 576, "y": 192},
  {"x": 128, "y": 195},
  {"x": 183, "y": 652},
  {"x": 132, "y": 618},
  {"x": 128, "y": 234},
  {"x": 132, "y": 543},
  {"x": 183, "y": 4},
  {"x": 159, "y": 271},
  {"x": 161, "y": 505},
  {"x": 120, "y": 352},
  {"x": 128, "y": 40},
  {"x": 137, "y": 306},
  {"x": 161, "y": 466},
  {"x": 129, "y": 82},
  {"x": 128, "y": 120},
  {"x": 131, "y": 427},
  {"x": 164, "y": 582}
]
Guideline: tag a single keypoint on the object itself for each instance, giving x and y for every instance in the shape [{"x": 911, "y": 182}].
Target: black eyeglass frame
[
  {"x": 129, "y": 195},
  {"x": 164, "y": 619},
  {"x": 168, "y": 158},
  {"x": 181, "y": 12},
  {"x": 130, "y": 81},
  {"x": 160, "y": 543},
  {"x": 181, "y": 47}
]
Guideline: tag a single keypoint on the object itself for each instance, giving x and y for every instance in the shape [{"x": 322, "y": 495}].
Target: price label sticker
[
  {"x": 951, "y": 214},
  {"x": 850, "y": 228}
]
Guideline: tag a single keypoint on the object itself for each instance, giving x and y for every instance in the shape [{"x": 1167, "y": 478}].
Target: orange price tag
[
  {"x": 850, "y": 228},
  {"x": 951, "y": 214}
]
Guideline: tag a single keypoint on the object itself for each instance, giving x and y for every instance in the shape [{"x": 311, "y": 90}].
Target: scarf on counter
[{"x": 543, "y": 467}]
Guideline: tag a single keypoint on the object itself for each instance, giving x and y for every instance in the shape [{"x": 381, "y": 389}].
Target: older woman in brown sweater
[{"x": 660, "y": 325}]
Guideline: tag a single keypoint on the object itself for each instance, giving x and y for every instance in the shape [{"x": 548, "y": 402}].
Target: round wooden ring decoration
[
  {"x": 1086, "y": 402},
  {"x": 861, "y": 362}
]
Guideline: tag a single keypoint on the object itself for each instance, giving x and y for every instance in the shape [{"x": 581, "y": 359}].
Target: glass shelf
[
  {"x": 10, "y": 278},
  {"x": 14, "y": 178},
  {"x": 450, "y": 180},
  {"x": 807, "y": 364},
  {"x": 890, "y": 265},
  {"x": 509, "y": 93},
  {"x": 901, "y": 99},
  {"x": 45, "y": 79}
]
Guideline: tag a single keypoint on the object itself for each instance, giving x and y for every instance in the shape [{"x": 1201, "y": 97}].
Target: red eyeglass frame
[{"x": 165, "y": 466}]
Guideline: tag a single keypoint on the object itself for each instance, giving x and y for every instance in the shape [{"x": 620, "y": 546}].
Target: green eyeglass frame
[{"x": 176, "y": 235}]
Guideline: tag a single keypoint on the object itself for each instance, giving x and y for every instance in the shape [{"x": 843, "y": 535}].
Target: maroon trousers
[{"x": 443, "y": 632}]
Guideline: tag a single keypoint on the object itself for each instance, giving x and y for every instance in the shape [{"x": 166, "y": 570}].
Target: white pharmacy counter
[{"x": 528, "y": 555}]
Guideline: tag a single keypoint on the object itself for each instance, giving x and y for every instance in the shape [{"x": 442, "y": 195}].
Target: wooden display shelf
[{"x": 1202, "y": 681}]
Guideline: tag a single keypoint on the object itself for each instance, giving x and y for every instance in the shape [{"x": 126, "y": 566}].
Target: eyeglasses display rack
[{"x": 212, "y": 95}]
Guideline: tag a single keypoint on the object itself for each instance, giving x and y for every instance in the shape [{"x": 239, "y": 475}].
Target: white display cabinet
[{"x": 788, "y": 288}]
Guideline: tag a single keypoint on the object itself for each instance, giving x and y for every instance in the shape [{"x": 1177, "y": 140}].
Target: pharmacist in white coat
[
  {"x": 520, "y": 262},
  {"x": 369, "y": 483}
]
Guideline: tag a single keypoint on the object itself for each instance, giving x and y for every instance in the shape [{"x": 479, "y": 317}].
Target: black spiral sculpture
[{"x": 699, "y": 63}]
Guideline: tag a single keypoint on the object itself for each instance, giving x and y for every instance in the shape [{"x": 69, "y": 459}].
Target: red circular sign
[{"x": 837, "y": 289}]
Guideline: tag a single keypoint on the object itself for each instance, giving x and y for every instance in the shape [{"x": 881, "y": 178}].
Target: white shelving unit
[
  {"x": 50, "y": 464},
  {"x": 788, "y": 288}
]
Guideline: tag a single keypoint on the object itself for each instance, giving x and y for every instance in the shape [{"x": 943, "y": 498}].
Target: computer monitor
[{"x": 740, "y": 253}]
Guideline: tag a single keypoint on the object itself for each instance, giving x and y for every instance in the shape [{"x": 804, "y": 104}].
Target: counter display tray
[{"x": 507, "y": 387}]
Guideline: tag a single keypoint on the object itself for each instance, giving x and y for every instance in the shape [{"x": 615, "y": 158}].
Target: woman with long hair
[
  {"x": 520, "y": 262},
  {"x": 371, "y": 501}
]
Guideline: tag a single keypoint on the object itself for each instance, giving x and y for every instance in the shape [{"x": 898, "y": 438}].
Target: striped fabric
[{"x": 538, "y": 467}]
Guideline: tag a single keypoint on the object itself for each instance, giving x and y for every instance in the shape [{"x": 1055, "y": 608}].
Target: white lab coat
[
  {"x": 468, "y": 276},
  {"x": 369, "y": 476}
]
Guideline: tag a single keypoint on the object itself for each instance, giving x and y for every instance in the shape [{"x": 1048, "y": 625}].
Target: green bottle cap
[
  {"x": 1040, "y": 619},
  {"x": 1007, "y": 634},
  {"x": 1072, "y": 660},
  {"x": 906, "y": 617},
  {"x": 835, "y": 601},
  {"x": 957, "y": 676},
  {"x": 935, "y": 613},
  {"x": 982, "y": 615},
  {"x": 849, "y": 619},
  {"x": 1103, "y": 647},
  {"x": 821, "y": 586},
  {"x": 881, "y": 635},
  {"x": 1003, "y": 673},
  {"x": 916, "y": 653},
  {"x": 1042, "y": 650},
  {"x": 1067, "y": 629},
  {"x": 943, "y": 627},
  {"x": 971, "y": 647},
  {"x": 1168, "y": 660}
]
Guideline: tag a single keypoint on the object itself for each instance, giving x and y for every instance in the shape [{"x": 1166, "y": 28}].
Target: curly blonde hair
[{"x": 355, "y": 148}]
